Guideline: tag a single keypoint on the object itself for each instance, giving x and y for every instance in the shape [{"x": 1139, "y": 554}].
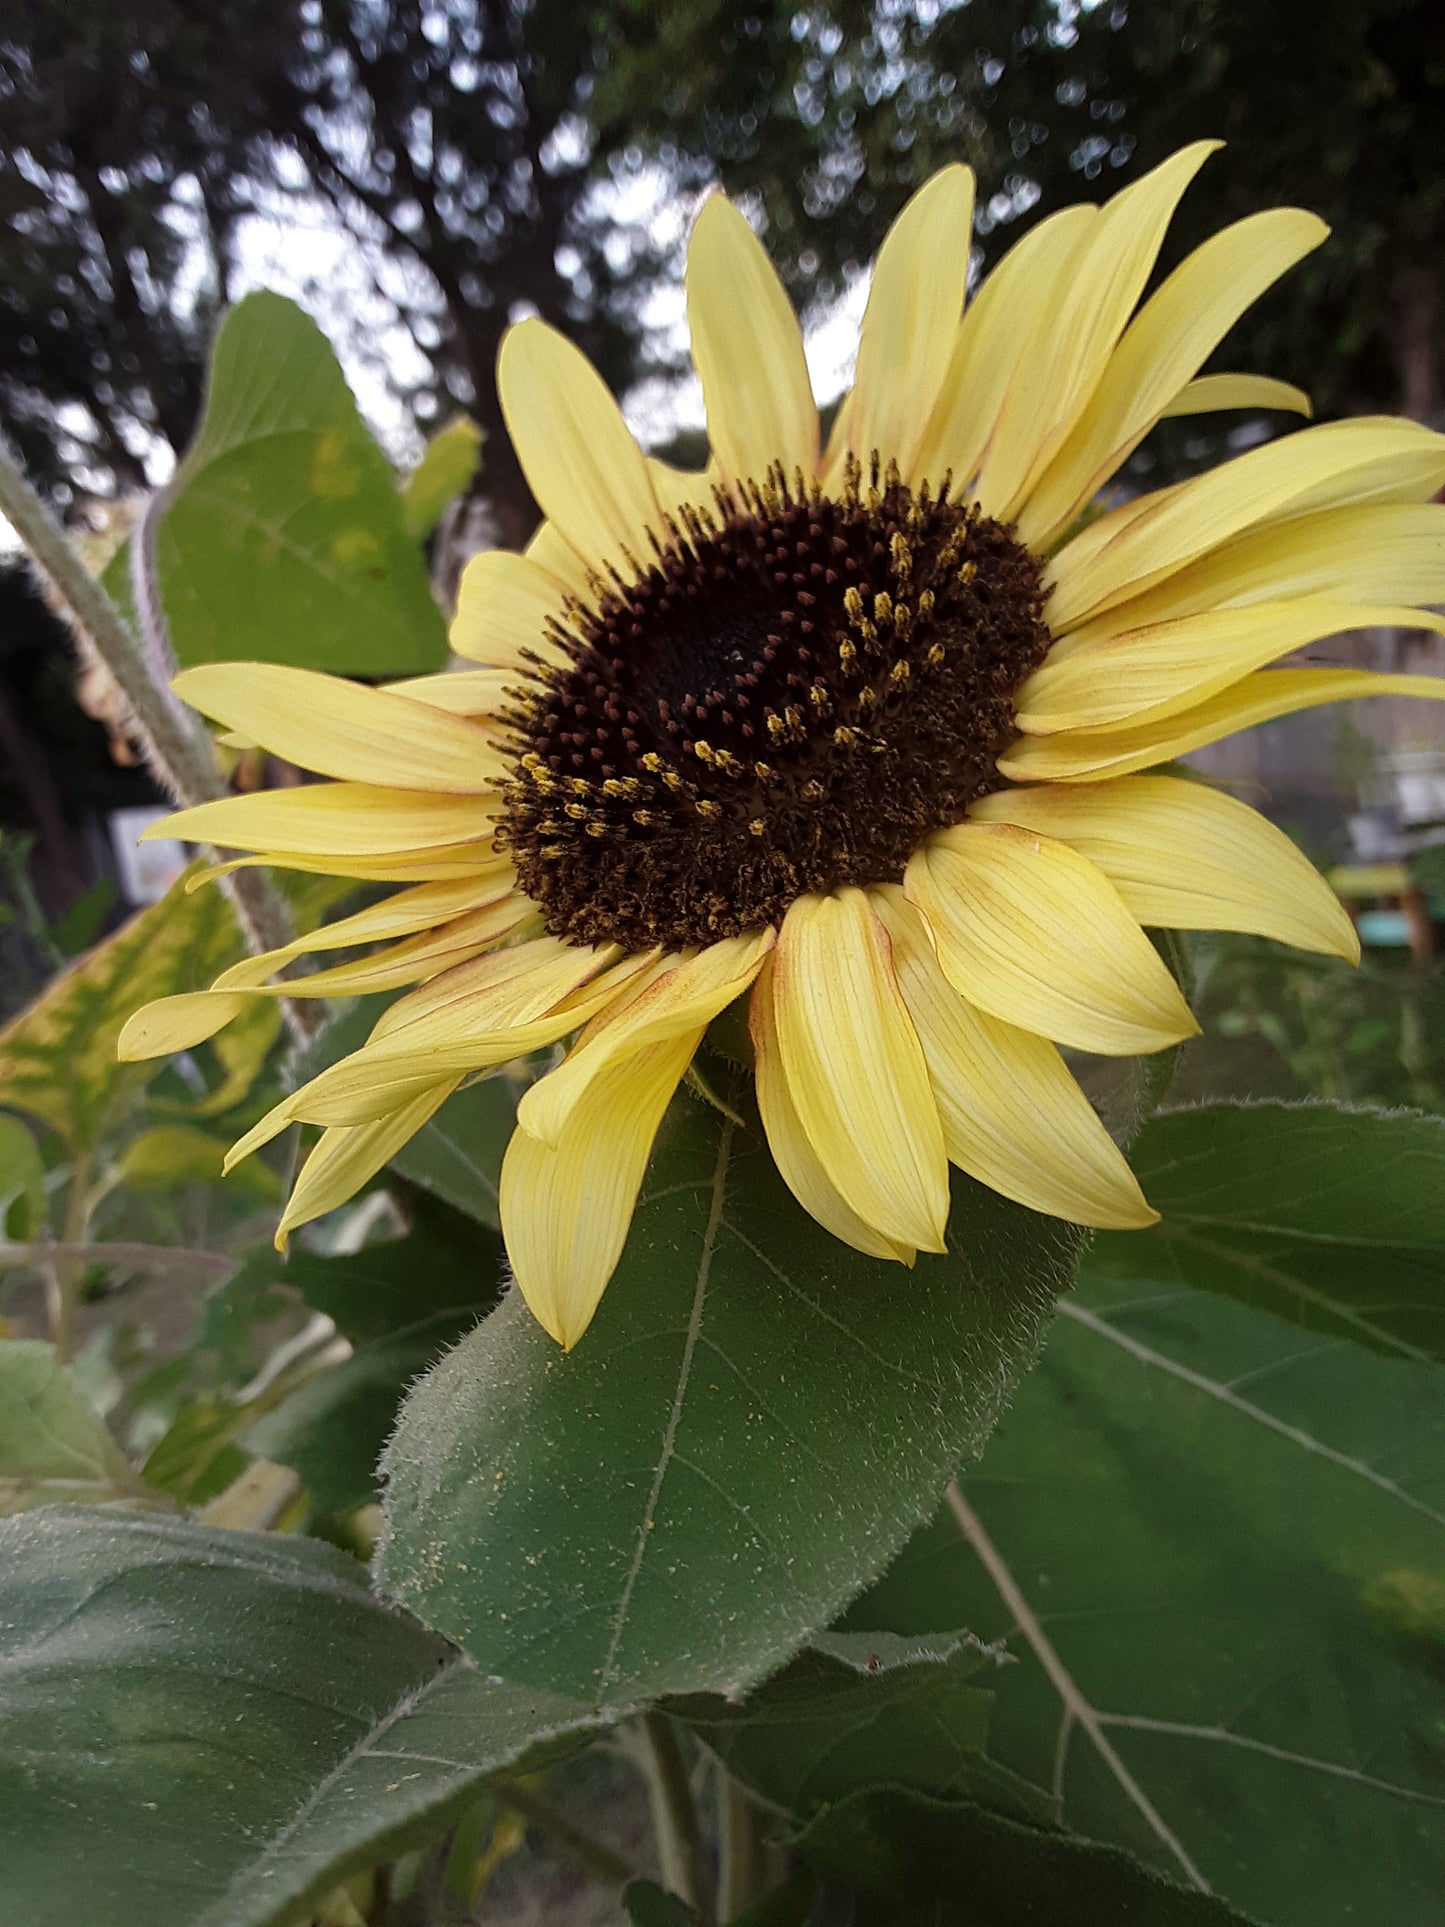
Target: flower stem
[
  {"x": 598, "y": 1858},
  {"x": 681, "y": 1849},
  {"x": 61, "y": 1274},
  {"x": 744, "y": 1850},
  {"x": 178, "y": 756}
]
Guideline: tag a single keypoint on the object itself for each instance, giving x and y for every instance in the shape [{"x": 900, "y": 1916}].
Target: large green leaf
[
  {"x": 958, "y": 1865},
  {"x": 231, "y": 1719},
  {"x": 1334, "y": 1219},
  {"x": 57, "y": 1059},
  {"x": 1217, "y": 1547},
  {"x": 754, "y": 1422},
  {"x": 54, "y": 1445},
  {"x": 283, "y": 536},
  {"x": 856, "y": 1710}
]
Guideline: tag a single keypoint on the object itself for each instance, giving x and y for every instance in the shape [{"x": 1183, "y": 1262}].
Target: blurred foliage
[{"x": 494, "y": 156}]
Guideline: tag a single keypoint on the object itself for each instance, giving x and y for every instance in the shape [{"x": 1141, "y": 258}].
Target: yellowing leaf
[
  {"x": 57, "y": 1059},
  {"x": 449, "y": 461}
]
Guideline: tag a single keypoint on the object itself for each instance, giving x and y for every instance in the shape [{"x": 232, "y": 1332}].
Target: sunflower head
[{"x": 866, "y": 734}]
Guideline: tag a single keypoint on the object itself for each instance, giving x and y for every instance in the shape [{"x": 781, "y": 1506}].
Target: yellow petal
[
  {"x": 1029, "y": 931},
  {"x": 566, "y": 1210},
  {"x": 748, "y": 350},
  {"x": 345, "y": 1159},
  {"x": 423, "y": 908},
  {"x": 1388, "y": 553},
  {"x": 677, "y": 489},
  {"x": 678, "y": 994},
  {"x": 506, "y": 605},
  {"x": 576, "y": 451},
  {"x": 1086, "y": 755},
  {"x": 797, "y": 1161},
  {"x": 1013, "y": 1117},
  {"x": 417, "y": 959},
  {"x": 990, "y": 350},
  {"x": 431, "y": 865},
  {"x": 1144, "y": 674},
  {"x": 1081, "y": 326},
  {"x": 177, "y": 1023},
  {"x": 340, "y": 728},
  {"x": 1212, "y": 392},
  {"x": 1123, "y": 553},
  {"x": 1185, "y": 857},
  {"x": 855, "y": 1068},
  {"x": 514, "y": 985},
  {"x": 1172, "y": 336},
  {"x": 551, "y": 550},
  {"x": 333, "y": 819},
  {"x": 911, "y": 319},
  {"x": 464, "y": 692}
]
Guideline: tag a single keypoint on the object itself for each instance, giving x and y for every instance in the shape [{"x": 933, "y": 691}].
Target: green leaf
[
  {"x": 165, "y": 1155},
  {"x": 283, "y": 537},
  {"x": 755, "y": 1420},
  {"x": 197, "y": 1456},
  {"x": 1331, "y": 1218},
  {"x": 957, "y": 1865},
  {"x": 222, "y": 1785},
  {"x": 22, "y": 1183},
  {"x": 57, "y": 1059},
  {"x": 857, "y": 1709},
  {"x": 54, "y": 1445},
  {"x": 1216, "y": 1547},
  {"x": 450, "y": 460},
  {"x": 647, "y": 1905}
]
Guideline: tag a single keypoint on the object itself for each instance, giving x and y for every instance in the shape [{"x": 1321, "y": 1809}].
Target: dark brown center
[{"x": 792, "y": 696}]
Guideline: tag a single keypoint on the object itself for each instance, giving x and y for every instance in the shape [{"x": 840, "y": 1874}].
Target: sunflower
[{"x": 868, "y": 733}]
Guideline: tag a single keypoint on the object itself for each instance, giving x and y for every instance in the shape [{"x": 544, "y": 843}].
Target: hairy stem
[
  {"x": 681, "y": 1850},
  {"x": 177, "y": 755},
  {"x": 61, "y": 1274}
]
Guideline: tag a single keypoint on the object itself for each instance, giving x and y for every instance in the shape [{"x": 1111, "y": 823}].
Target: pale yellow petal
[
  {"x": 576, "y": 451},
  {"x": 340, "y": 728},
  {"x": 1388, "y": 553},
  {"x": 1013, "y": 1117},
  {"x": 1143, "y": 674},
  {"x": 416, "y": 960},
  {"x": 797, "y": 1161},
  {"x": 677, "y": 489},
  {"x": 343, "y": 1160},
  {"x": 1328, "y": 466},
  {"x": 1086, "y": 755},
  {"x": 566, "y": 1210},
  {"x": 855, "y": 1068},
  {"x": 512, "y": 986},
  {"x": 409, "y": 911},
  {"x": 551, "y": 551},
  {"x": 1172, "y": 336},
  {"x": 990, "y": 349},
  {"x": 748, "y": 350},
  {"x": 1081, "y": 326},
  {"x": 431, "y": 865},
  {"x": 1213, "y": 392},
  {"x": 506, "y": 606},
  {"x": 479, "y": 693},
  {"x": 1184, "y": 857},
  {"x": 680, "y": 993},
  {"x": 177, "y": 1023},
  {"x": 1031, "y": 932},
  {"x": 911, "y": 319},
  {"x": 324, "y": 820}
]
